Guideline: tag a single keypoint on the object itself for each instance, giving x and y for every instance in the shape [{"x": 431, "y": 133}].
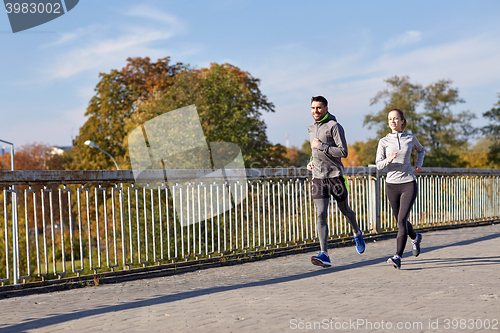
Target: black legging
[{"x": 401, "y": 197}]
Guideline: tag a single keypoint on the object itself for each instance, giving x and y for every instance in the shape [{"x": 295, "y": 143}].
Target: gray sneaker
[{"x": 415, "y": 244}]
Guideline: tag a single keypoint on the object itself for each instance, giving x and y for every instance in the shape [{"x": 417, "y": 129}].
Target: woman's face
[{"x": 395, "y": 121}]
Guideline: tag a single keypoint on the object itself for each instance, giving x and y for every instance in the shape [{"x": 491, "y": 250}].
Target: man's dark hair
[{"x": 319, "y": 99}]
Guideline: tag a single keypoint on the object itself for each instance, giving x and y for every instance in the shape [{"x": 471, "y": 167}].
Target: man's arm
[
  {"x": 310, "y": 165},
  {"x": 340, "y": 148}
]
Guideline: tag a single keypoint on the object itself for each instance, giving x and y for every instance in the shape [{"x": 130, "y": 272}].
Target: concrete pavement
[{"x": 454, "y": 285}]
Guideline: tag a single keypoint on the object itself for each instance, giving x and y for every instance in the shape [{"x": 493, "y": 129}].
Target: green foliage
[
  {"x": 228, "y": 101},
  {"x": 299, "y": 157},
  {"x": 367, "y": 151},
  {"x": 306, "y": 149},
  {"x": 116, "y": 98},
  {"x": 229, "y": 105},
  {"x": 401, "y": 95},
  {"x": 444, "y": 134},
  {"x": 492, "y": 131}
]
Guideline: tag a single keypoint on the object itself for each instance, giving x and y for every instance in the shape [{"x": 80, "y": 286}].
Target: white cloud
[
  {"x": 468, "y": 62},
  {"x": 71, "y": 36},
  {"x": 149, "y": 13},
  {"x": 103, "y": 54},
  {"x": 289, "y": 79},
  {"x": 408, "y": 37},
  {"x": 114, "y": 44}
]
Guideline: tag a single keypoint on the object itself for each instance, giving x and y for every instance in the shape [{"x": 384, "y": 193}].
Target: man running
[{"x": 328, "y": 147}]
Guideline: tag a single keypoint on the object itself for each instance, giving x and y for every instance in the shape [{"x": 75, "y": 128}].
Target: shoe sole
[
  {"x": 390, "y": 262},
  {"x": 321, "y": 263}
]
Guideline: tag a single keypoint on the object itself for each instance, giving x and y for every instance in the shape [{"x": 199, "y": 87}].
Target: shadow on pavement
[
  {"x": 61, "y": 318},
  {"x": 437, "y": 263}
]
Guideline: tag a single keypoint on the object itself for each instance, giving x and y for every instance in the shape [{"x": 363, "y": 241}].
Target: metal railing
[{"x": 64, "y": 223}]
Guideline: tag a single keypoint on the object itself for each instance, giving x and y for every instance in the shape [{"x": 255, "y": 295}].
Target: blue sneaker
[
  {"x": 360, "y": 243},
  {"x": 321, "y": 259}
]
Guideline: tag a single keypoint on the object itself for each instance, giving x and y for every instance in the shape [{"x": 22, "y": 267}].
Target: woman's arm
[
  {"x": 420, "y": 152},
  {"x": 381, "y": 160}
]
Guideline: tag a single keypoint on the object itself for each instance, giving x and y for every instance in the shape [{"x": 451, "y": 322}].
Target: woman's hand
[
  {"x": 417, "y": 169},
  {"x": 310, "y": 166},
  {"x": 392, "y": 156}
]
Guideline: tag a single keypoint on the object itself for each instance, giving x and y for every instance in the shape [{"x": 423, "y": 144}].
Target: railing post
[
  {"x": 375, "y": 198},
  {"x": 15, "y": 238}
]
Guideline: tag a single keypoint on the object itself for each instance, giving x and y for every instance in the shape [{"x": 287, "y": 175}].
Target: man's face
[{"x": 318, "y": 110}]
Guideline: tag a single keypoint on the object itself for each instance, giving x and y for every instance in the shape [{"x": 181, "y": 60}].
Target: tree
[
  {"x": 35, "y": 156},
  {"x": 443, "y": 133},
  {"x": 353, "y": 158},
  {"x": 403, "y": 95},
  {"x": 299, "y": 157},
  {"x": 366, "y": 151},
  {"x": 117, "y": 96},
  {"x": 306, "y": 150},
  {"x": 229, "y": 105},
  {"x": 492, "y": 131},
  {"x": 292, "y": 155},
  {"x": 477, "y": 156}
]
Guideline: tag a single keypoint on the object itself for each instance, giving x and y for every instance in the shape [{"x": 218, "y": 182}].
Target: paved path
[{"x": 457, "y": 276}]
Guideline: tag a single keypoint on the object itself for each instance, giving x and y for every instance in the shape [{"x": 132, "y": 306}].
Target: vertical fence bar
[
  {"x": 113, "y": 221},
  {"x": 6, "y": 235},
  {"x": 97, "y": 225},
  {"x": 80, "y": 223},
  {"x": 61, "y": 226},
  {"x": 131, "y": 225},
  {"x": 27, "y": 228},
  {"x": 248, "y": 215},
  {"x": 44, "y": 227},
  {"x": 167, "y": 217}
]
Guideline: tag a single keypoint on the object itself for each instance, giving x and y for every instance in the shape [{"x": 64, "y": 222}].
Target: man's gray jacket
[{"x": 332, "y": 147}]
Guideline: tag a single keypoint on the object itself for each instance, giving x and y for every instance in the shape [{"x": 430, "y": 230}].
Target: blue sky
[{"x": 342, "y": 50}]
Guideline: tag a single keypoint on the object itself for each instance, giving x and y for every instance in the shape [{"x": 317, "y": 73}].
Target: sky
[{"x": 343, "y": 50}]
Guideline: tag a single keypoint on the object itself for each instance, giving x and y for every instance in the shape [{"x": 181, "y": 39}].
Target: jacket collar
[{"x": 327, "y": 116}]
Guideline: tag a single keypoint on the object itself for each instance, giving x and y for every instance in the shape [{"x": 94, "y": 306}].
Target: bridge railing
[{"x": 62, "y": 223}]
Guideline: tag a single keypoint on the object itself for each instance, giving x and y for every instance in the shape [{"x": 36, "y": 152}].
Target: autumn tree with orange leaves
[
  {"x": 35, "y": 156},
  {"x": 228, "y": 100},
  {"x": 229, "y": 105}
]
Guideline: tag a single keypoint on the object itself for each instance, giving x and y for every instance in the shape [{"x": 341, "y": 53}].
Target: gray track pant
[{"x": 322, "y": 214}]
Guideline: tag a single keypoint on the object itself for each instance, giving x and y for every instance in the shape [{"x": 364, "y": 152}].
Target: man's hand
[
  {"x": 392, "y": 156},
  {"x": 310, "y": 166},
  {"x": 417, "y": 169},
  {"x": 314, "y": 143}
]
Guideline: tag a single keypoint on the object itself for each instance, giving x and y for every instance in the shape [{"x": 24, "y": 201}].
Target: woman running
[{"x": 394, "y": 152}]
